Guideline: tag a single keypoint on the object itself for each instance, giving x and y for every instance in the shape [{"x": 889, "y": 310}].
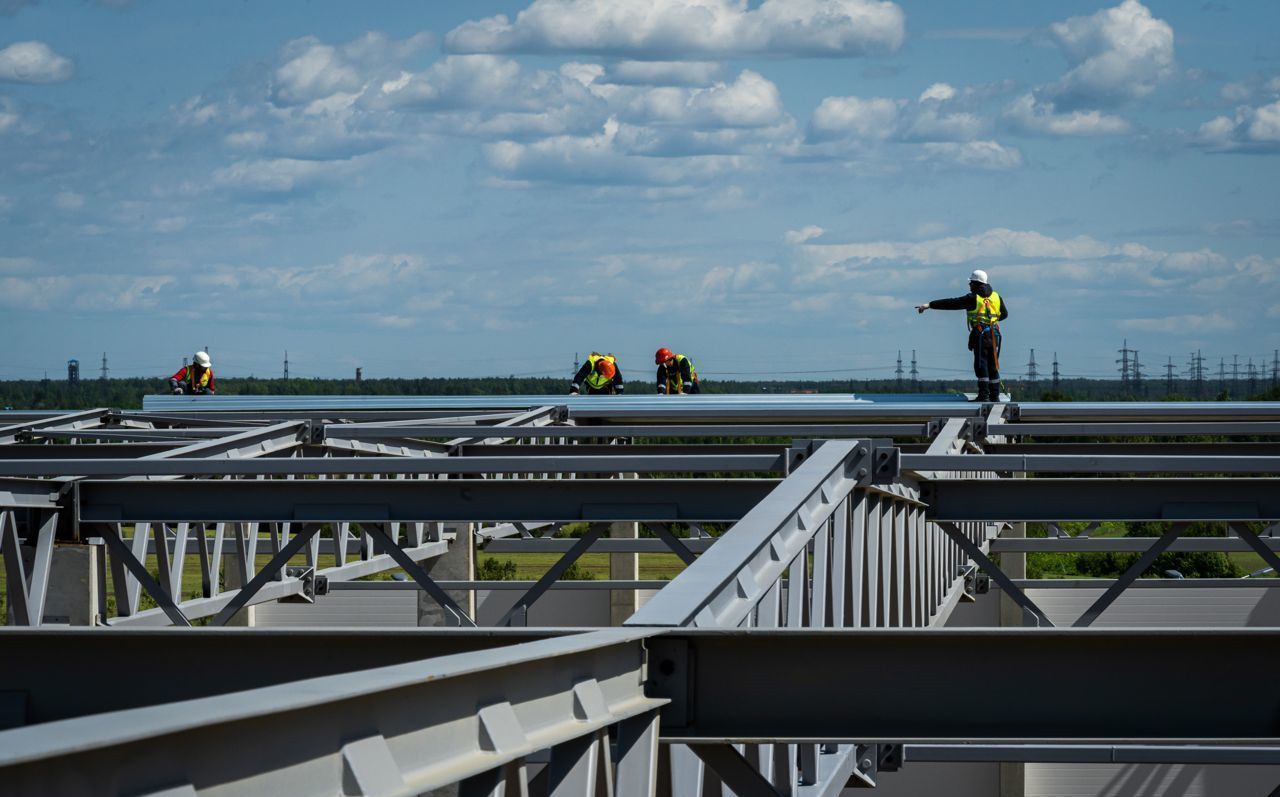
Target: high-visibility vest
[
  {"x": 675, "y": 378},
  {"x": 986, "y": 313},
  {"x": 203, "y": 381},
  {"x": 594, "y": 380}
]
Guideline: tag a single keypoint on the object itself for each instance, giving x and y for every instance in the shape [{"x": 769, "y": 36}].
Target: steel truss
[{"x": 850, "y": 539}]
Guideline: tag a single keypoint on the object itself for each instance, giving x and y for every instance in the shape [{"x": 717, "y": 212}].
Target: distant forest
[{"x": 128, "y": 393}]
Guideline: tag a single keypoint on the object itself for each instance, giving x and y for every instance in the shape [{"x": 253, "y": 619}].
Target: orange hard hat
[
  {"x": 662, "y": 355},
  {"x": 605, "y": 368}
]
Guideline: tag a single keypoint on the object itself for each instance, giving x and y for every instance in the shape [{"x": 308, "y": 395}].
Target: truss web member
[
  {"x": 600, "y": 375},
  {"x": 676, "y": 373},
  {"x": 984, "y": 310},
  {"x": 196, "y": 378}
]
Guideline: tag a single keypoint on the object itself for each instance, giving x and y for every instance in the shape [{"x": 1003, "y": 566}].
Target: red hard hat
[
  {"x": 662, "y": 355},
  {"x": 605, "y": 368}
]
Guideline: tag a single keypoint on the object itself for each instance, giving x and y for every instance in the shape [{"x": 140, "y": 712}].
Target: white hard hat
[
  {"x": 978, "y": 275},
  {"x": 201, "y": 359}
]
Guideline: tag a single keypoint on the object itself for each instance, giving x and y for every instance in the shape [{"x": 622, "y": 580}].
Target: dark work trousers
[{"x": 986, "y": 355}]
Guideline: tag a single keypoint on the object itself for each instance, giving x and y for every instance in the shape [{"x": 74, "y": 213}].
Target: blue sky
[{"x": 459, "y": 189}]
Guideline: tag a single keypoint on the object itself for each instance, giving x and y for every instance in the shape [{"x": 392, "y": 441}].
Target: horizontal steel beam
[
  {"x": 380, "y": 500},
  {"x": 622, "y": 463},
  {"x": 894, "y": 684},
  {"x": 1091, "y": 753},
  {"x": 1062, "y": 463},
  {"x": 1101, "y": 499},
  {"x": 1149, "y": 410},
  {"x": 1145, "y": 429},
  {"x": 397, "y": 730},
  {"x": 1217, "y": 448},
  {"x": 74, "y": 451},
  {"x": 68, "y": 421},
  {"x": 367, "y": 432},
  {"x": 604, "y": 545},
  {"x": 1121, "y": 544}
]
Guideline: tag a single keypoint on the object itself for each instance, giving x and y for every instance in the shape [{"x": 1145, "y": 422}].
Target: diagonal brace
[
  {"x": 121, "y": 553},
  {"x": 1268, "y": 555},
  {"x": 673, "y": 542},
  {"x": 983, "y": 561},
  {"x": 543, "y": 584},
  {"x": 419, "y": 575},
  {"x": 1129, "y": 576},
  {"x": 267, "y": 573},
  {"x": 734, "y": 769}
]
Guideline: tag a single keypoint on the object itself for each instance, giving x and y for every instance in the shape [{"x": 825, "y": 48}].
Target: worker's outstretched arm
[{"x": 958, "y": 303}]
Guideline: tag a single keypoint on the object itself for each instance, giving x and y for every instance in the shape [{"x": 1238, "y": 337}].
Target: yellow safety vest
[
  {"x": 594, "y": 380},
  {"x": 986, "y": 314},
  {"x": 675, "y": 383},
  {"x": 203, "y": 381}
]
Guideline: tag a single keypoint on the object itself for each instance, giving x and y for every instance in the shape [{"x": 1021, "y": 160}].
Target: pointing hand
[{"x": 920, "y": 308}]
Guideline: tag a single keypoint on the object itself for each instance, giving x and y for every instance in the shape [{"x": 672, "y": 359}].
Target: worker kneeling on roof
[
  {"x": 600, "y": 375},
  {"x": 676, "y": 373},
  {"x": 196, "y": 378},
  {"x": 984, "y": 310}
]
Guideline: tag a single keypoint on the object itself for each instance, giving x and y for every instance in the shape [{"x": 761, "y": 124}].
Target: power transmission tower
[
  {"x": 1124, "y": 353},
  {"x": 1235, "y": 374},
  {"x": 576, "y": 363},
  {"x": 1197, "y": 372},
  {"x": 1253, "y": 378},
  {"x": 1222, "y": 375},
  {"x": 1137, "y": 373},
  {"x": 1056, "y": 376},
  {"x": 1169, "y": 379},
  {"x": 898, "y": 370},
  {"x": 286, "y": 364},
  {"x": 73, "y": 372},
  {"x": 104, "y": 367},
  {"x": 1275, "y": 367},
  {"x": 359, "y": 375},
  {"x": 1032, "y": 376},
  {"x": 915, "y": 373}
]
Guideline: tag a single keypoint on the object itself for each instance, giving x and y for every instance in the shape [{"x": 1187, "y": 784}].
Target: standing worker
[
  {"x": 196, "y": 378},
  {"x": 600, "y": 374},
  {"x": 984, "y": 310},
  {"x": 676, "y": 373}
]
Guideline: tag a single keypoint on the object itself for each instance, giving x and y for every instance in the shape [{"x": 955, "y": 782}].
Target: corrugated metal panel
[
  {"x": 1155, "y": 608},
  {"x": 372, "y": 609},
  {"x": 1149, "y": 780}
]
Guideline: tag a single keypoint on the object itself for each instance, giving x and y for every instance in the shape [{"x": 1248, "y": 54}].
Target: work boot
[{"x": 982, "y": 392}]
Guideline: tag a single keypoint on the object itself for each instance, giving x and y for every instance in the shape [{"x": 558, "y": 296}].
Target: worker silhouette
[
  {"x": 599, "y": 375},
  {"x": 984, "y": 310}
]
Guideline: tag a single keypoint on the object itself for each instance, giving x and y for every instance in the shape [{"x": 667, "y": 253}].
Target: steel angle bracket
[
  {"x": 669, "y": 668},
  {"x": 307, "y": 575},
  {"x": 886, "y": 462},
  {"x": 801, "y": 449}
]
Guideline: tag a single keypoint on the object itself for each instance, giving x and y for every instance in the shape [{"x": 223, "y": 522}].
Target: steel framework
[{"x": 826, "y": 541}]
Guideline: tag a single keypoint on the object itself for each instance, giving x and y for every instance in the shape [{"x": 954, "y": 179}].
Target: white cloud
[
  {"x": 1200, "y": 322},
  {"x": 843, "y": 117},
  {"x": 68, "y": 200},
  {"x": 661, "y": 73},
  {"x": 278, "y": 175},
  {"x": 171, "y": 224},
  {"x": 1042, "y": 118},
  {"x": 940, "y": 92},
  {"x": 312, "y": 70},
  {"x": 604, "y": 159},
  {"x": 653, "y": 29},
  {"x": 804, "y": 234},
  {"x": 8, "y": 117},
  {"x": 1116, "y": 54},
  {"x": 33, "y": 62},
  {"x": 974, "y": 154},
  {"x": 750, "y": 101},
  {"x": 1252, "y": 129}
]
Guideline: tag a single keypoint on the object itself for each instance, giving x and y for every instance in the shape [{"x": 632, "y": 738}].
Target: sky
[{"x": 490, "y": 188}]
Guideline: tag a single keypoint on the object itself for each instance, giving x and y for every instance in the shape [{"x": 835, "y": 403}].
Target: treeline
[{"x": 128, "y": 393}]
